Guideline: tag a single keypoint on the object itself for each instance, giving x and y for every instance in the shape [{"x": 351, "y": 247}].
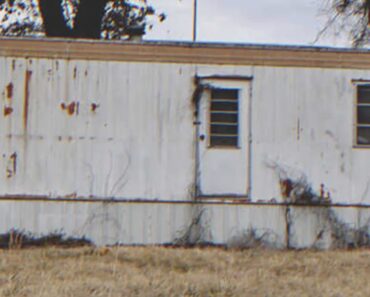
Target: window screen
[
  {"x": 224, "y": 120},
  {"x": 363, "y": 115}
]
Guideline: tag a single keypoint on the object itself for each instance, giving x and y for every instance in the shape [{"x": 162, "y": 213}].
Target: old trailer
[{"x": 133, "y": 143}]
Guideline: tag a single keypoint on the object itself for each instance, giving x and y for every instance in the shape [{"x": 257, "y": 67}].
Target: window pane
[
  {"x": 224, "y": 141},
  {"x": 225, "y": 94},
  {"x": 363, "y": 135},
  {"x": 363, "y": 115},
  {"x": 225, "y": 106},
  {"x": 224, "y": 129},
  {"x": 363, "y": 94},
  {"x": 224, "y": 118}
]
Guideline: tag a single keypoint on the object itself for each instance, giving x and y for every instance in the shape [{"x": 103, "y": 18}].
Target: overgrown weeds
[
  {"x": 155, "y": 272},
  {"x": 16, "y": 239}
]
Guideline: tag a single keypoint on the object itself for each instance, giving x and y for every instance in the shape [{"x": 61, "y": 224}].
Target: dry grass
[{"x": 183, "y": 272}]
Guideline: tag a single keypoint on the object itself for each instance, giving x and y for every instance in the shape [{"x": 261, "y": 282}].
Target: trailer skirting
[{"x": 164, "y": 222}]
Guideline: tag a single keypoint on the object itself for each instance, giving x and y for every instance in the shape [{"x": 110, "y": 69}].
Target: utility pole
[{"x": 195, "y": 12}]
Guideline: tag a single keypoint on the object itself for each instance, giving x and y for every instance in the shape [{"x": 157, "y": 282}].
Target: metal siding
[
  {"x": 302, "y": 121},
  {"x": 228, "y": 223},
  {"x": 128, "y": 146},
  {"x": 107, "y": 223},
  {"x": 133, "y": 136},
  {"x": 306, "y": 129},
  {"x": 123, "y": 223}
]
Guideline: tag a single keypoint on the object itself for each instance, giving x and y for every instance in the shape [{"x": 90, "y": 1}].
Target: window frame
[{"x": 356, "y": 125}]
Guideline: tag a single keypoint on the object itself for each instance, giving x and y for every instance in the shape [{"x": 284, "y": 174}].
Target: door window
[{"x": 224, "y": 118}]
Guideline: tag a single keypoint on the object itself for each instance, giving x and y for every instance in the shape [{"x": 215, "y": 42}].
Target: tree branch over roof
[{"x": 350, "y": 16}]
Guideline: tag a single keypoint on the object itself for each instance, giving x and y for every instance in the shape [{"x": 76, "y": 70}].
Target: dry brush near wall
[
  {"x": 307, "y": 226},
  {"x": 311, "y": 221},
  {"x": 296, "y": 225},
  {"x": 311, "y": 226}
]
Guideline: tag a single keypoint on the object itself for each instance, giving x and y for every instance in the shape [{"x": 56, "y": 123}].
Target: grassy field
[{"x": 155, "y": 271}]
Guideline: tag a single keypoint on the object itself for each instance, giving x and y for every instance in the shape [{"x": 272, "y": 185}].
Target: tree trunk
[
  {"x": 89, "y": 19},
  {"x": 87, "y": 22},
  {"x": 53, "y": 19}
]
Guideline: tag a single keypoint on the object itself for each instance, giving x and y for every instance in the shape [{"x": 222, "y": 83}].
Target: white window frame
[{"x": 357, "y": 84}]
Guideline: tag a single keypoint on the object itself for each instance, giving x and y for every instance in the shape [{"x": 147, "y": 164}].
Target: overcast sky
[{"x": 245, "y": 21}]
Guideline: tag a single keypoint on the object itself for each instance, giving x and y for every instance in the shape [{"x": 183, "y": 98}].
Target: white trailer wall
[
  {"x": 100, "y": 129},
  {"x": 303, "y": 127},
  {"x": 125, "y": 129}
]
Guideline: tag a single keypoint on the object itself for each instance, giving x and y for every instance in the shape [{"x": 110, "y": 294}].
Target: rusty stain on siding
[
  {"x": 8, "y": 110},
  {"x": 12, "y": 165},
  {"x": 71, "y": 108},
  {"x": 9, "y": 94},
  {"x": 9, "y": 90},
  {"x": 286, "y": 187},
  {"x": 26, "y": 97},
  {"x": 94, "y": 107}
]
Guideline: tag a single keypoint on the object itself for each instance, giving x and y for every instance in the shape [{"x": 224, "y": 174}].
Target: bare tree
[{"x": 349, "y": 17}]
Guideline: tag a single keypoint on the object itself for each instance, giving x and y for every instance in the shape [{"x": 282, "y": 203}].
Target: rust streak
[
  {"x": 26, "y": 97},
  {"x": 11, "y": 169},
  {"x": 7, "y": 110},
  {"x": 71, "y": 108},
  {"x": 9, "y": 90},
  {"x": 13, "y": 157}
]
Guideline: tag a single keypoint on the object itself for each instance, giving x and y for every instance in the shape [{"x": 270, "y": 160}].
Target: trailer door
[{"x": 223, "y": 134}]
